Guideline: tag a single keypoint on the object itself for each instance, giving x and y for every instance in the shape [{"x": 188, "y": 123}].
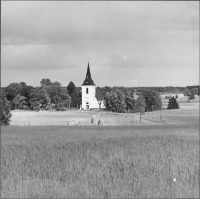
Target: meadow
[
  {"x": 188, "y": 113},
  {"x": 113, "y": 161}
]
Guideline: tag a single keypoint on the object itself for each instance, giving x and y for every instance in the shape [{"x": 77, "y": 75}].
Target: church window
[{"x": 86, "y": 90}]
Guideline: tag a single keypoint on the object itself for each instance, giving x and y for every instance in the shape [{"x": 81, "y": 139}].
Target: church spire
[
  {"x": 88, "y": 70},
  {"x": 88, "y": 79}
]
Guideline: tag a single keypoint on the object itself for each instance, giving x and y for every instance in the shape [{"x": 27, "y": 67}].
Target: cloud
[
  {"x": 59, "y": 35},
  {"x": 71, "y": 22},
  {"x": 35, "y": 57}
]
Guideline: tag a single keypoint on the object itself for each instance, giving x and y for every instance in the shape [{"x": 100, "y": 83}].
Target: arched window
[{"x": 86, "y": 90}]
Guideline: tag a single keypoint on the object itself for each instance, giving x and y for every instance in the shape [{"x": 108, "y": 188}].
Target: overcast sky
[{"x": 127, "y": 43}]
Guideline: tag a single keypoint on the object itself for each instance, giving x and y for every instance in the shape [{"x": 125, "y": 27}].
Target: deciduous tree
[
  {"x": 12, "y": 90},
  {"x": 5, "y": 113},
  {"x": 186, "y": 92},
  {"x": 140, "y": 104},
  {"x": 40, "y": 99},
  {"x": 152, "y": 99}
]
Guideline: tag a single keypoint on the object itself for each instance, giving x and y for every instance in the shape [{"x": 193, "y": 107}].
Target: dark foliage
[
  {"x": 76, "y": 99},
  {"x": 5, "y": 113},
  {"x": 71, "y": 88},
  {"x": 173, "y": 104},
  {"x": 152, "y": 99},
  {"x": 191, "y": 96}
]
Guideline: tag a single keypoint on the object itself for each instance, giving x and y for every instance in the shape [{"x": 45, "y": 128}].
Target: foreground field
[
  {"x": 155, "y": 158},
  {"x": 100, "y": 162}
]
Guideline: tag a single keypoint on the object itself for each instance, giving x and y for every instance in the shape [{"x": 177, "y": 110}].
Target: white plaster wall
[{"x": 90, "y": 97}]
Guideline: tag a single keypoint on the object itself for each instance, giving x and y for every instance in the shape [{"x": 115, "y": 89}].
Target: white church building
[{"x": 92, "y": 97}]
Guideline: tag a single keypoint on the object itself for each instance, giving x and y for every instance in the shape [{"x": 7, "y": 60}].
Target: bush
[{"x": 173, "y": 104}]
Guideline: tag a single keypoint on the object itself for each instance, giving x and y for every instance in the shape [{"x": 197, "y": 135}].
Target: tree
[
  {"x": 105, "y": 89},
  {"x": 45, "y": 82},
  {"x": 71, "y": 88},
  {"x": 52, "y": 91},
  {"x": 186, "y": 92},
  {"x": 195, "y": 91},
  {"x": 12, "y": 90},
  {"x": 56, "y": 83},
  {"x": 173, "y": 104},
  {"x": 65, "y": 98},
  {"x": 115, "y": 101},
  {"x": 40, "y": 99},
  {"x": 152, "y": 99},
  {"x": 16, "y": 101},
  {"x": 140, "y": 104},
  {"x": 23, "y": 84},
  {"x": 191, "y": 96},
  {"x": 130, "y": 103},
  {"x": 110, "y": 101},
  {"x": 76, "y": 99},
  {"x": 23, "y": 104},
  {"x": 59, "y": 95},
  {"x": 26, "y": 92},
  {"x": 129, "y": 100},
  {"x": 5, "y": 113},
  {"x": 121, "y": 101}
]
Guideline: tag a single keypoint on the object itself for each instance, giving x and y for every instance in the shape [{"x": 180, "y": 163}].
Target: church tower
[{"x": 90, "y": 98}]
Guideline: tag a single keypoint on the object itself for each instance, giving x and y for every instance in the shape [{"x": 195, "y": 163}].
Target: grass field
[
  {"x": 134, "y": 161},
  {"x": 188, "y": 112}
]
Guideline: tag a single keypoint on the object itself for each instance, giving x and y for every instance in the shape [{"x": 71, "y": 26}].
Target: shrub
[{"x": 173, "y": 104}]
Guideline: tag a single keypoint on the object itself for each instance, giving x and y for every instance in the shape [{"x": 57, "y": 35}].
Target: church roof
[
  {"x": 99, "y": 94},
  {"x": 88, "y": 79}
]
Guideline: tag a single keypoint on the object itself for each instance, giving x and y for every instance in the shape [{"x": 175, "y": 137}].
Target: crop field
[{"x": 142, "y": 160}]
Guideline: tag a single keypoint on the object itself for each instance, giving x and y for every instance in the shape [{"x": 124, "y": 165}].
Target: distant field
[
  {"x": 187, "y": 112},
  {"x": 132, "y": 160}
]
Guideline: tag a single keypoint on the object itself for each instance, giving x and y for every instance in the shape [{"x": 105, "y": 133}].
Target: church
[{"x": 92, "y": 97}]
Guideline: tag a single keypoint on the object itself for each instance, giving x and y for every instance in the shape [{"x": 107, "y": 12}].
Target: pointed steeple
[
  {"x": 88, "y": 70},
  {"x": 88, "y": 79}
]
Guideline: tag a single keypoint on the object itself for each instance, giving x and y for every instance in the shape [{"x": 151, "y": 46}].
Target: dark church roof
[
  {"x": 88, "y": 79},
  {"x": 99, "y": 94}
]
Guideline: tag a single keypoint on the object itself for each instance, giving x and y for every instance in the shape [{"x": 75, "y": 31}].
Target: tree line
[
  {"x": 117, "y": 100},
  {"x": 167, "y": 89},
  {"x": 50, "y": 95}
]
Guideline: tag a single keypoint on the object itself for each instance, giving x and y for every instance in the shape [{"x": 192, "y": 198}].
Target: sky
[{"x": 127, "y": 43}]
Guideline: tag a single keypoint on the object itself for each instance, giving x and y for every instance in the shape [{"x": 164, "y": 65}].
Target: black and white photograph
[{"x": 100, "y": 99}]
